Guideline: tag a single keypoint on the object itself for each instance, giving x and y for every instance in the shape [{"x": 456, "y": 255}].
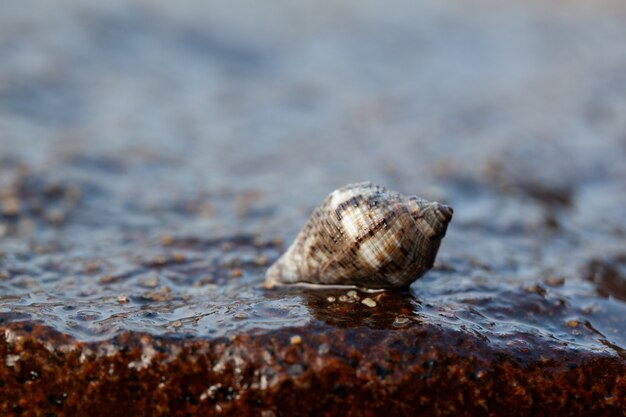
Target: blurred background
[
  {"x": 124, "y": 122},
  {"x": 302, "y": 97}
]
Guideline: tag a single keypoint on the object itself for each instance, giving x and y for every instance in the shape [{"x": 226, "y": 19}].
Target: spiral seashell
[{"x": 366, "y": 236}]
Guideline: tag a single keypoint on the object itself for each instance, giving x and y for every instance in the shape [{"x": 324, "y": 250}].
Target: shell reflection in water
[{"x": 366, "y": 236}]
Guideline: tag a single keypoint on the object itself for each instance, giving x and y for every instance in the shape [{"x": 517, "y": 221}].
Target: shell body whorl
[{"x": 367, "y": 236}]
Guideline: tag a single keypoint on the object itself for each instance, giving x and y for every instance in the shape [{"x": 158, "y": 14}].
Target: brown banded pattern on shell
[{"x": 367, "y": 236}]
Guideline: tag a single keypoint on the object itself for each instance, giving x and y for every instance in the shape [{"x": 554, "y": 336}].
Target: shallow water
[{"x": 155, "y": 159}]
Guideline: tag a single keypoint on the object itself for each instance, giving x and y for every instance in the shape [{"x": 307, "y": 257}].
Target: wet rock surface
[{"x": 155, "y": 159}]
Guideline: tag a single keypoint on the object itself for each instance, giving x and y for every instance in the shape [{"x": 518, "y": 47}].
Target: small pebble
[
  {"x": 369, "y": 302},
  {"x": 236, "y": 273},
  {"x": 331, "y": 299},
  {"x": 178, "y": 257},
  {"x": 572, "y": 323},
  {"x": 177, "y": 323},
  {"x": 323, "y": 349},
  {"x": 401, "y": 320},
  {"x": 93, "y": 266},
  {"x": 343, "y": 298},
  {"x": 554, "y": 281},
  {"x": 167, "y": 240},
  {"x": 155, "y": 296},
  {"x": 105, "y": 279},
  {"x": 122, "y": 298},
  {"x": 295, "y": 340},
  {"x": 159, "y": 260},
  {"x": 536, "y": 289},
  {"x": 381, "y": 297},
  {"x": 10, "y": 206},
  {"x": 241, "y": 316},
  {"x": 150, "y": 282},
  {"x": 207, "y": 280},
  {"x": 41, "y": 249},
  {"x": 353, "y": 294}
]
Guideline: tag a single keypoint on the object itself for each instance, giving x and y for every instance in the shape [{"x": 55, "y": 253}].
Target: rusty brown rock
[{"x": 361, "y": 372}]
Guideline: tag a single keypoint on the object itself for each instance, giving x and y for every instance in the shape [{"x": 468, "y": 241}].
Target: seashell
[{"x": 366, "y": 236}]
